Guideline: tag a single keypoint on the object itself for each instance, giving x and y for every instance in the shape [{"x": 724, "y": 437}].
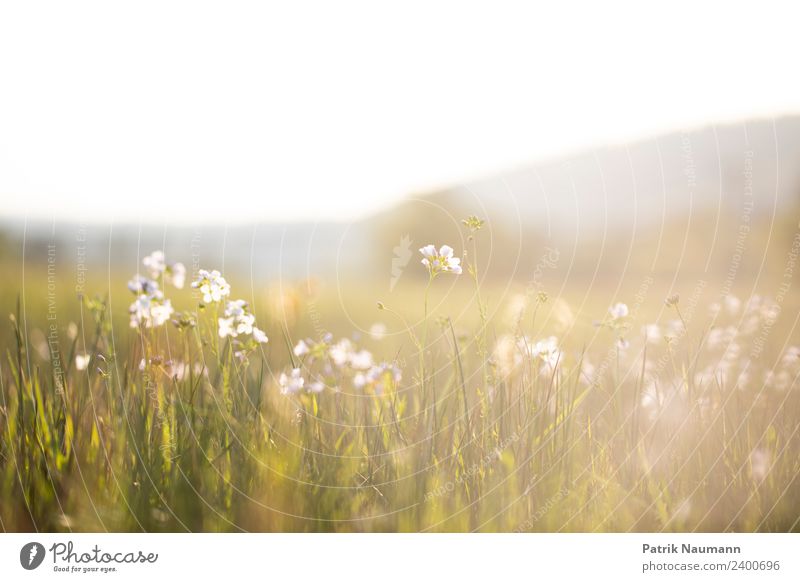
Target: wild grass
[{"x": 479, "y": 423}]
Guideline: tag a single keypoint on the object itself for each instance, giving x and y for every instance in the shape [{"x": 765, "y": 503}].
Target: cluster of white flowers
[
  {"x": 378, "y": 377},
  {"x": 441, "y": 261},
  {"x": 730, "y": 303},
  {"x": 292, "y": 383},
  {"x": 510, "y": 352},
  {"x": 618, "y": 321},
  {"x": 727, "y": 345},
  {"x": 150, "y": 308},
  {"x": 335, "y": 364},
  {"x": 238, "y": 321},
  {"x": 344, "y": 353},
  {"x": 157, "y": 267},
  {"x": 212, "y": 285},
  {"x": 547, "y": 351},
  {"x": 784, "y": 375}
]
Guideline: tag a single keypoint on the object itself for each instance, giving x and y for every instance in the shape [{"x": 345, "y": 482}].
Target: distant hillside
[
  {"x": 661, "y": 195},
  {"x": 695, "y": 187}
]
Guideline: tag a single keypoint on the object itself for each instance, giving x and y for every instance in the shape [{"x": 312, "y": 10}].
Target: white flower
[
  {"x": 341, "y": 351},
  {"x": 82, "y": 361},
  {"x": 143, "y": 285},
  {"x": 652, "y": 332},
  {"x": 442, "y": 261},
  {"x": 377, "y": 331},
  {"x": 238, "y": 321},
  {"x": 293, "y": 383},
  {"x": 618, "y": 311},
  {"x": 721, "y": 337},
  {"x": 226, "y": 327},
  {"x": 157, "y": 266},
  {"x": 161, "y": 312},
  {"x": 176, "y": 274},
  {"x": 301, "y": 349},
  {"x": 150, "y": 310},
  {"x": 547, "y": 351},
  {"x": 155, "y": 263},
  {"x": 379, "y": 377},
  {"x": 260, "y": 336},
  {"x": 212, "y": 285},
  {"x": 316, "y": 387},
  {"x": 361, "y": 360},
  {"x": 732, "y": 304},
  {"x": 360, "y": 380},
  {"x": 791, "y": 356}
]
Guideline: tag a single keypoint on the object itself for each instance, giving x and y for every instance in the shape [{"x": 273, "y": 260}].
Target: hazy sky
[{"x": 170, "y": 111}]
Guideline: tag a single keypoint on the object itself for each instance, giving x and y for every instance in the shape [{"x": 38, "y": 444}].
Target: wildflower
[
  {"x": 143, "y": 285},
  {"x": 473, "y": 223},
  {"x": 441, "y": 261},
  {"x": 150, "y": 310},
  {"x": 316, "y": 387},
  {"x": 361, "y": 360},
  {"x": 160, "y": 312},
  {"x": 260, "y": 336},
  {"x": 238, "y": 321},
  {"x": 379, "y": 377},
  {"x": 184, "y": 320},
  {"x": 719, "y": 337},
  {"x": 360, "y": 380},
  {"x": 212, "y": 285},
  {"x": 82, "y": 361},
  {"x": 174, "y": 273},
  {"x": 652, "y": 332},
  {"x": 618, "y": 311},
  {"x": 301, "y": 349},
  {"x": 791, "y": 356},
  {"x": 546, "y": 350},
  {"x": 672, "y": 300},
  {"x": 781, "y": 380},
  {"x": 293, "y": 383},
  {"x": 341, "y": 351},
  {"x": 377, "y": 331},
  {"x": 732, "y": 304}
]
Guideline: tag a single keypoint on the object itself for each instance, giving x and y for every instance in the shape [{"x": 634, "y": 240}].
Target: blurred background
[{"x": 313, "y": 149}]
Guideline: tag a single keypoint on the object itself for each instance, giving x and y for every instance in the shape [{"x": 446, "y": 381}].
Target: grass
[{"x": 693, "y": 432}]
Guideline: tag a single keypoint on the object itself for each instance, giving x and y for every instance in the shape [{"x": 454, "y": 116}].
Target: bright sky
[{"x": 182, "y": 111}]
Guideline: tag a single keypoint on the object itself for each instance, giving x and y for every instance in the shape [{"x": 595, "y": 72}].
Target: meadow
[{"x": 165, "y": 402}]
